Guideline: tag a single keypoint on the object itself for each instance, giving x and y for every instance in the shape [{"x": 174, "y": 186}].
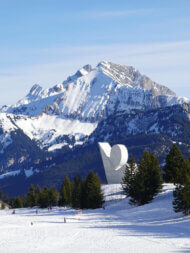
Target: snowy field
[{"x": 117, "y": 228}]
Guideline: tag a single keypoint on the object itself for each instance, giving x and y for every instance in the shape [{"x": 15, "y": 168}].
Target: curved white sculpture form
[
  {"x": 114, "y": 161},
  {"x": 118, "y": 156}
]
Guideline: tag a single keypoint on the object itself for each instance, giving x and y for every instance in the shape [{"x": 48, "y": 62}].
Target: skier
[
  {"x": 36, "y": 211},
  {"x": 64, "y": 220},
  {"x": 13, "y": 212}
]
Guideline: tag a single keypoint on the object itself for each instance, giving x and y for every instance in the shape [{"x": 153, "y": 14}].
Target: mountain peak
[
  {"x": 87, "y": 67},
  {"x": 103, "y": 64},
  {"x": 36, "y": 88},
  {"x": 128, "y": 75},
  {"x": 81, "y": 72},
  {"x": 92, "y": 93},
  {"x": 111, "y": 65},
  {"x": 57, "y": 88}
]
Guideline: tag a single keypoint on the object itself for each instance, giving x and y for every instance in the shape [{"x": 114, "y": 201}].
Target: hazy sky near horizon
[{"x": 44, "y": 41}]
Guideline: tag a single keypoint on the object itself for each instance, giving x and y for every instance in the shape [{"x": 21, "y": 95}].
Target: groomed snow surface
[{"x": 117, "y": 228}]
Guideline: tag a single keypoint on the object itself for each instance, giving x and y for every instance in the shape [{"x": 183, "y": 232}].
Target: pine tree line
[
  {"x": 85, "y": 193},
  {"x": 143, "y": 181},
  {"x": 4, "y": 199},
  {"x": 177, "y": 171}
]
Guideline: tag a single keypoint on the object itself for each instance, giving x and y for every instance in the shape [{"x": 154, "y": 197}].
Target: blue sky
[{"x": 44, "y": 41}]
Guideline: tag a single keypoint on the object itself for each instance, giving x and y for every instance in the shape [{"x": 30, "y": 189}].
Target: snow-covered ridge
[
  {"x": 94, "y": 93},
  {"x": 6, "y": 127},
  {"x": 47, "y": 130},
  {"x": 68, "y": 113}
]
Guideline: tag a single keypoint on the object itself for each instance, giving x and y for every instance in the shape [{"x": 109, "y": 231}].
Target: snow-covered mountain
[
  {"x": 110, "y": 102},
  {"x": 75, "y": 107},
  {"x": 95, "y": 93}
]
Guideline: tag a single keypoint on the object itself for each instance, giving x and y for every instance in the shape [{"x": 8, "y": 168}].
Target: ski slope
[{"x": 117, "y": 228}]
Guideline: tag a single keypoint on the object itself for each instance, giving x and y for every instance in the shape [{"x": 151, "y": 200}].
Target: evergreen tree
[
  {"x": 129, "y": 177},
  {"x": 53, "y": 196},
  {"x": 62, "y": 194},
  {"x": 65, "y": 193},
  {"x": 147, "y": 181},
  {"x": 94, "y": 196},
  {"x": 181, "y": 201},
  {"x": 76, "y": 193},
  {"x": 44, "y": 200},
  {"x": 5, "y": 198},
  {"x": 176, "y": 169},
  {"x": 2, "y": 205},
  {"x": 24, "y": 201},
  {"x": 83, "y": 194},
  {"x": 38, "y": 192},
  {"x": 64, "y": 197},
  {"x": 68, "y": 189},
  {"x": 17, "y": 203},
  {"x": 30, "y": 198}
]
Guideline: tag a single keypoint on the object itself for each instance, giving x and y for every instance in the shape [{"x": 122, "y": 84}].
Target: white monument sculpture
[{"x": 114, "y": 161}]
